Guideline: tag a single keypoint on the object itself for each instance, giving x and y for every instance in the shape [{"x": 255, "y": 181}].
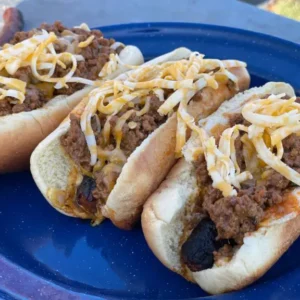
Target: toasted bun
[
  {"x": 20, "y": 133},
  {"x": 50, "y": 166},
  {"x": 166, "y": 214}
]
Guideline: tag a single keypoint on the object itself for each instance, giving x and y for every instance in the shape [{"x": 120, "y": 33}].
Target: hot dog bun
[
  {"x": 167, "y": 213},
  {"x": 20, "y": 133},
  {"x": 155, "y": 156},
  {"x": 151, "y": 160},
  {"x": 49, "y": 152}
]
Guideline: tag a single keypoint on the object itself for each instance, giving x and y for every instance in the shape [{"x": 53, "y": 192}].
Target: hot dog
[
  {"x": 230, "y": 208},
  {"x": 121, "y": 142}
]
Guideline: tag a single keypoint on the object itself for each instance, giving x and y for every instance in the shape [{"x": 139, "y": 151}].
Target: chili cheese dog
[
  {"x": 121, "y": 142},
  {"x": 229, "y": 209}
]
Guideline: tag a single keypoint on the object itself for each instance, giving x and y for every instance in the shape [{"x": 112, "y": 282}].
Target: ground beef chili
[
  {"x": 234, "y": 216},
  {"x": 95, "y": 55},
  {"x": 75, "y": 145}
]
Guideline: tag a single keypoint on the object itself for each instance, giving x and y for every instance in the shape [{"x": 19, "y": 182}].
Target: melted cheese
[
  {"x": 146, "y": 107},
  {"x": 118, "y": 128}
]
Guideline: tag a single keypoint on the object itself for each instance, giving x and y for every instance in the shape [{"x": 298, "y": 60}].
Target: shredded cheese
[
  {"x": 280, "y": 121},
  {"x": 180, "y": 80},
  {"x": 275, "y": 162},
  {"x": 271, "y": 120},
  {"x": 146, "y": 107},
  {"x": 146, "y": 73},
  {"x": 62, "y": 59},
  {"x": 87, "y": 42},
  {"x": 109, "y": 67},
  {"x": 39, "y": 53},
  {"x": 14, "y": 88},
  {"x": 118, "y": 128},
  {"x": 221, "y": 162},
  {"x": 13, "y": 83},
  {"x": 162, "y": 83},
  {"x": 12, "y": 93}
]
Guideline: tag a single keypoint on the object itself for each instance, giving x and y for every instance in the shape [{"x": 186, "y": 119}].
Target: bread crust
[
  {"x": 164, "y": 218},
  {"x": 159, "y": 212},
  {"x": 20, "y": 133},
  {"x": 48, "y": 154},
  {"x": 260, "y": 251}
]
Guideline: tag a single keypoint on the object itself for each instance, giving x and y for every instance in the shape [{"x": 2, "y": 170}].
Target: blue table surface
[{"x": 230, "y": 13}]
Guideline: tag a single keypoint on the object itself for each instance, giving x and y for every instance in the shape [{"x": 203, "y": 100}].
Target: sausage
[
  {"x": 13, "y": 22},
  {"x": 197, "y": 252},
  {"x": 84, "y": 195}
]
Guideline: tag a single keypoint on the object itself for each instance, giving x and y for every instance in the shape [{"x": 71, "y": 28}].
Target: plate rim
[
  {"x": 239, "y": 31},
  {"x": 60, "y": 289}
]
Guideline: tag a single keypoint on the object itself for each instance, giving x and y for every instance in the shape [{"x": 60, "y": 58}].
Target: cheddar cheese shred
[
  {"x": 271, "y": 120},
  {"x": 173, "y": 82},
  {"x": 39, "y": 53}
]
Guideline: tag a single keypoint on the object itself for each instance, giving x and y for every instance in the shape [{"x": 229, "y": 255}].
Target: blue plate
[{"x": 45, "y": 255}]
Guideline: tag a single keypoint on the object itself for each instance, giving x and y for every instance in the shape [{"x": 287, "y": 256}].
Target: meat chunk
[
  {"x": 5, "y": 107},
  {"x": 145, "y": 125},
  {"x": 84, "y": 195},
  {"x": 75, "y": 145},
  {"x": 235, "y": 216},
  {"x": 34, "y": 99},
  {"x": 198, "y": 250},
  {"x": 291, "y": 155},
  {"x": 104, "y": 185}
]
